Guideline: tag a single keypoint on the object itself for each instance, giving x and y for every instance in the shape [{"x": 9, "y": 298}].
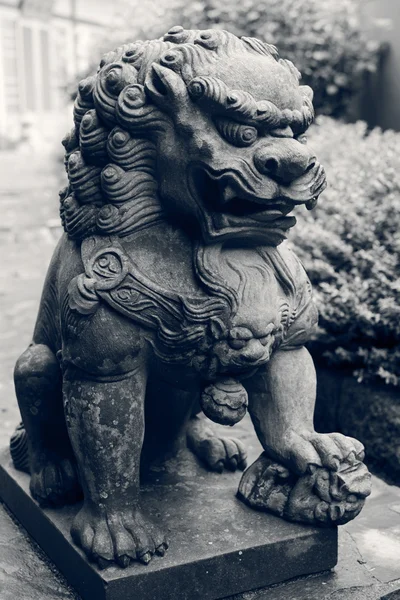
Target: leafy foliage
[{"x": 350, "y": 246}]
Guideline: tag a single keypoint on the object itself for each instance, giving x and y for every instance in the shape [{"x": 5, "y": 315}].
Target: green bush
[
  {"x": 323, "y": 39},
  {"x": 350, "y": 246}
]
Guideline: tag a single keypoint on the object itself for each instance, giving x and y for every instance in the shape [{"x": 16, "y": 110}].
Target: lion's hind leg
[{"x": 42, "y": 445}]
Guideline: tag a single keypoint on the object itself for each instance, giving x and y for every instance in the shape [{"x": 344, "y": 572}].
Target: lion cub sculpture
[{"x": 171, "y": 287}]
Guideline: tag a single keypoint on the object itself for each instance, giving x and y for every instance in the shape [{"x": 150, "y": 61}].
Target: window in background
[{"x": 9, "y": 66}]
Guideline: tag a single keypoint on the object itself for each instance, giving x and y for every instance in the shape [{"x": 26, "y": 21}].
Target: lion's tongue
[{"x": 267, "y": 215}]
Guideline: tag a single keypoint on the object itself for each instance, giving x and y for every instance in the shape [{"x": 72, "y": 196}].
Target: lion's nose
[{"x": 283, "y": 160}]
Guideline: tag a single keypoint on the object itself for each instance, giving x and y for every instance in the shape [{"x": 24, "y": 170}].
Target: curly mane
[{"x": 111, "y": 153}]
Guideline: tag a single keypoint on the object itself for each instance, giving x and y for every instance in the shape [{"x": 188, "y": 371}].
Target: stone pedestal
[{"x": 219, "y": 546}]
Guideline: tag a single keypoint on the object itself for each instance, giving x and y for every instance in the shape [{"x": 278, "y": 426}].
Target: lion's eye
[
  {"x": 235, "y": 133},
  {"x": 302, "y": 138},
  {"x": 237, "y": 344}
]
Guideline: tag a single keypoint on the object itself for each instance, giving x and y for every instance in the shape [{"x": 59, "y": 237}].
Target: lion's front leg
[
  {"x": 281, "y": 405},
  {"x": 312, "y": 477},
  {"x": 106, "y": 426}
]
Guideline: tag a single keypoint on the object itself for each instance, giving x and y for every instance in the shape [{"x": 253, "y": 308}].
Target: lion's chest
[{"x": 215, "y": 309}]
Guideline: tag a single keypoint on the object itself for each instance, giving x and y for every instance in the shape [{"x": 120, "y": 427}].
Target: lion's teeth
[{"x": 311, "y": 203}]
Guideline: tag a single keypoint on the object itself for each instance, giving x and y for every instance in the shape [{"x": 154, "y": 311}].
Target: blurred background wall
[
  {"x": 44, "y": 44},
  {"x": 381, "y": 100}
]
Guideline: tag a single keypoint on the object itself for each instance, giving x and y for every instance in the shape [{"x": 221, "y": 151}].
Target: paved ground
[
  {"x": 29, "y": 228},
  {"x": 369, "y": 565}
]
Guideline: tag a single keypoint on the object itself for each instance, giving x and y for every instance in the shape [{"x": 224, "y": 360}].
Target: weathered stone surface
[
  {"x": 377, "y": 534},
  {"x": 349, "y": 575},
  {"x": 219, "y": 546},
  {"x": 24, "y": 570},
  {"x": 173, "y": 285}
]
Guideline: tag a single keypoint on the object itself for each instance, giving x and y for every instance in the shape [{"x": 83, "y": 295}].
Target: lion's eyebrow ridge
[{"x": 215, "y": 95}]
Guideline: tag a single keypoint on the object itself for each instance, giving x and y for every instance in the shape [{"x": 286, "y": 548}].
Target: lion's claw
[
  {"x": 146, "y": 558},
  {"x": 103, "y": 563},
  {"x": 161, "y": 550},
  {"x": 123, "y": 561},
  {"x": 360, "y": 456},
  {"x": 232, "y": 463}
]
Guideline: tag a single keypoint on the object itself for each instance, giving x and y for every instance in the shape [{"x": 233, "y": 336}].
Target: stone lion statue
[{"x": 171, "y": 290}]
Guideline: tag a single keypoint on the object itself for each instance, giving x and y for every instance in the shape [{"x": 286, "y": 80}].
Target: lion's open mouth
[
  {"x": 242, "y": 207},
  {"x": 229, "y": 208}
]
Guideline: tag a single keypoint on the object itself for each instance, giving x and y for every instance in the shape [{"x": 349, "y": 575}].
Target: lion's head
[{"x": 200, "y": 127}]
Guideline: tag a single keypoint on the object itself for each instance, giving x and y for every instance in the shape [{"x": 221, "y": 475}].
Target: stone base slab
[{"x": 218, "y": 546}]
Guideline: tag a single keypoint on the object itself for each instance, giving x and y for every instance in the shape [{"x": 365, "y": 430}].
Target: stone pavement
[
  {"x": 369, "y": 553},
  {"x": 29, "y": 228}
]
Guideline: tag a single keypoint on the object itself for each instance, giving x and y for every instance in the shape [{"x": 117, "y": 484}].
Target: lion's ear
[
  {"x": 165, "y": 87},
  {"x": 218, "y": 329}
]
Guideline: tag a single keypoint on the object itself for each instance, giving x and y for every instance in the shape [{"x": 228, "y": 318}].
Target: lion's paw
[
  {"x": 320, "y": 497},
  {"x": 117, "y": 536},
  {"x": 299, "y": 450},
  {"x": 222, "y": 453},
  {"x": 55, "y": 482},
  {"x": 215, "y": 451}
]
